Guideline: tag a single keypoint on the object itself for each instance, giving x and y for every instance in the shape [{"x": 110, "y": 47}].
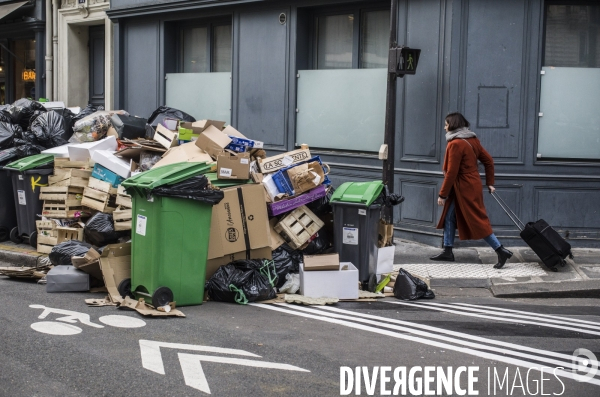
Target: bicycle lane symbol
[{"x": 64, "y": 325}]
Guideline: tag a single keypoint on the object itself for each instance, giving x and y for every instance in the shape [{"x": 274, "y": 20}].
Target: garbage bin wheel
[
  {"x": 124, "y": 288},
  {"x": 14, "y": 236},
  {"x": 33, "y": 240},
  {"x": 4, "y": 234},
  {"x": 162, "y": 296}
]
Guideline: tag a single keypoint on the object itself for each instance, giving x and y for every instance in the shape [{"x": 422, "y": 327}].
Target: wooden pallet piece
[
  {"x": 72, "y": 177},
  {"x": 122, "y": 218},
  {"x": 45, "y": 227},
  {"x": 62, "y": 209},
  {"x": 62, "y": 163},
  {"x": 60, "y": 193},
  {"x": 123, "y": 199},
  {"x": 97, "y": 200},
  {"x": 299, "y": 226},
  {"x": 45, "y": 243},
  {"x": 102, "y": 186}
]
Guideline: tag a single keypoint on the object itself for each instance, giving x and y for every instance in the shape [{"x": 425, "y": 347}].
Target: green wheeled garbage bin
[
  {"x": 8, "y": 213},
  {"x": 356, "y": 220},
  {"x": 28, "y": 174},
  {"x": 169, "y": 239}
]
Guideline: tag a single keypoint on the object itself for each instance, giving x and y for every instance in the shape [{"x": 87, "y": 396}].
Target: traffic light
[{"x": 403, "y": 60}]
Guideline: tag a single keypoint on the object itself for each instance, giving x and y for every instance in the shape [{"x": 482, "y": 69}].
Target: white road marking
[
  {"x": 194, "y": 374},
  {"x": 70, "y": 316},
  {"x": 115, "y": 320},
  {"x": 489, "y": 356},
  {"x": 52, "y": 328},
  {"x": 439, "y": 307},
  {"x": 496, "y": 308},
  {"x": 529, "y": 316},
  {"x": 152, "y": 359}
]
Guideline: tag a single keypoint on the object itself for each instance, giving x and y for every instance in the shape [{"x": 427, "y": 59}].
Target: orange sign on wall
[{"x": 28, "y": 75}]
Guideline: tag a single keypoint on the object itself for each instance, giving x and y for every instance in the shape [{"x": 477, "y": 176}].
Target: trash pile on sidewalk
[{"x": 170, "y": 210}]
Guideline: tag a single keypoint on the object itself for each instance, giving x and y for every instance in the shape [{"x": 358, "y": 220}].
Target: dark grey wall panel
[
  {"x": 512, "y": 196},
  {"x": 568, "y": 208},
  {"x": 421, "y": 114},
  {"x": 496, "y": 34},
  {"x": 262, "y": 65},
  {"x": 141, "y": 79},
  {"x": 420, "y": 204}
]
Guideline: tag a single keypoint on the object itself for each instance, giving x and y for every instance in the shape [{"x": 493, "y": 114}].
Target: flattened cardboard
[
  {"x": 212, "y": 265},
  {"x": 275, "y": 163},
  {"x": 144, "y": 309},
  {"x": 321, "y": 262},
  {"x": 188, "y": 152},
  {"x": 233, "y": 165},
  {"x": 199, "y": 126},
  {"x": 165, "y": 137},
  {"x": 230, "y": 230},
  {"x": 89, "y": 263},
  {"x": 115, "y": 264},
  {"x": 213, "y": 141}
]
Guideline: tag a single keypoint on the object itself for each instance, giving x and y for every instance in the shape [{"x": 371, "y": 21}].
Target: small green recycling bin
[
  {"x": 356, "y": 220},
  {"x": 28, "y": 174},
  {"x": 169, "y": 239}
]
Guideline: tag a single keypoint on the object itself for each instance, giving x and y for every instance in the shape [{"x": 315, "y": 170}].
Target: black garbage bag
[
  {"x": 286, "y": 260},
  {"x": 321, "y": 243},
  {"x": 322, "y": 205},
  {"x": 68, "y": 116},
  {"x": 21, "y": 111},
  {"x": 162, "y": 113},
  {"x": 388, "y": 199},
  {"x": 34, "y": 116},
  {"x": 243, "y": 281},
  {"x": 29, "y": 149},
  {"x": 409, "y": 288},
  {"x": 61, "y": 254},
  {"x": 4, "y": 115},
  {"x": 195, "y": 188},
  {"x": 99, "y": 230},
  {"x": 8, "y": 133},
  {"x": 8, "y": 155},
  {"x": 49, "y": 130}
]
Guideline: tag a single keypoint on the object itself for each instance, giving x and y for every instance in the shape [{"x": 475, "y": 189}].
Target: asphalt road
[{"x": 291, "y": 350}]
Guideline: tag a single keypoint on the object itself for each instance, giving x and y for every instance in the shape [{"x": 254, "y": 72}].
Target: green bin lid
[
  {"x": 31, "y": 162},
  {"x": 166, "y": 175},
  {"x": 358, "y": 192}
]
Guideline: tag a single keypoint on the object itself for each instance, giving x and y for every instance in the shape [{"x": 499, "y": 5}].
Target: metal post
[{"x": 390, "y": 117}]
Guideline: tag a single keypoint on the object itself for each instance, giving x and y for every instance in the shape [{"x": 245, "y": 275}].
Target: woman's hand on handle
[{"x": 491, "y": 189}]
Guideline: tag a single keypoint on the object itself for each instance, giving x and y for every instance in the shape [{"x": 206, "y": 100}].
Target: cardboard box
[
  {"x": 115, "y": 264},
  {"x": 233, "y": 165},
  {"x": 188, "y": 152},
  {"x": 341, "y": 284},
  {"x": 306, "y": 176},
  {"x": 84, "y": 151},
  {"x": 199, "y": 126},
  {"x": 275, "y": 163},
  {"x": 237, "y": 138},
  {"x": 113, "y": 163},
  {"x": 89, "y": 263},
  {"x": 212, "y": 265},
  {"x": 286, "y": 205},
  {"x": 165, "y": 137},
  {"x": 321, "y": 262},
  {"x": 213, "y": 141},
  {"x": 67, "y": 279},
  {"x": 239, "y": 222},
  {"x": 104, "y": 174}
]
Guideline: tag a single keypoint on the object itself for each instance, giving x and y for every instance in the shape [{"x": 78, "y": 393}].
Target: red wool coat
[{"x": 462, "y": 183}]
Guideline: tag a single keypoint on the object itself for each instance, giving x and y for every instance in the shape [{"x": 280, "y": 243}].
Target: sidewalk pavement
[{"x": 523, "y": 276}]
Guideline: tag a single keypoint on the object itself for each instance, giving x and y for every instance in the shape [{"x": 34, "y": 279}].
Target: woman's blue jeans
[{"x": 450, "y": 230}]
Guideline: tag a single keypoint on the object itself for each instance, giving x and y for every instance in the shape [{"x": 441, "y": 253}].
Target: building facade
[{"x": 526, "y": 73}]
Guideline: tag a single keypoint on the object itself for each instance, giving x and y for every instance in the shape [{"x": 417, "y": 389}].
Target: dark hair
[{"x": 456, "y": 120}]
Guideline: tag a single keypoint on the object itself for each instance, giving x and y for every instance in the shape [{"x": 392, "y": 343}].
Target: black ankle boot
[
  {"x": 446, "y": 255},
  {"x": 503, "y": 256}
]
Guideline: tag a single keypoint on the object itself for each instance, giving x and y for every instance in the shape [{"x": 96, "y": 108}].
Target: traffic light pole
[{"x": 390, "y": 115}]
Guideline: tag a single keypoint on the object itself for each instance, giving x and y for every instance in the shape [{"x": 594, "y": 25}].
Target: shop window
[
  {"x": 205, "y": 49},
  {"x": 356, "y": 39},
  {"x": 569, "y": 126}
]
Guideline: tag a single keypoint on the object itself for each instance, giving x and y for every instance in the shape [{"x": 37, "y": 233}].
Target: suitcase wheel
[
  {"x": 554, "y": 269},
  {"x": 571, "y": 256},
  {"x": 563, "y": 263}
]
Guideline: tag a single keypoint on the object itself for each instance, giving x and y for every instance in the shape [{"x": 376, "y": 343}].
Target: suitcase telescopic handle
[{"x": 513, "y": 217}]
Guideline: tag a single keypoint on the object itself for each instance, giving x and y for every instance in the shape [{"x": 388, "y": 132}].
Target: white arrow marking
[
  {"x": 152, "y": 359},
  {"x": 194, "y": 375}
]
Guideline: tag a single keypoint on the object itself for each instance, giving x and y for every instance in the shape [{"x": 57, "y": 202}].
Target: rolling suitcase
[{"x": 541, "y": 237}]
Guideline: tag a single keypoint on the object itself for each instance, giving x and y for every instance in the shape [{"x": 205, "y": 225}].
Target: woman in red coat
[{"x": 462, "y": 192}]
